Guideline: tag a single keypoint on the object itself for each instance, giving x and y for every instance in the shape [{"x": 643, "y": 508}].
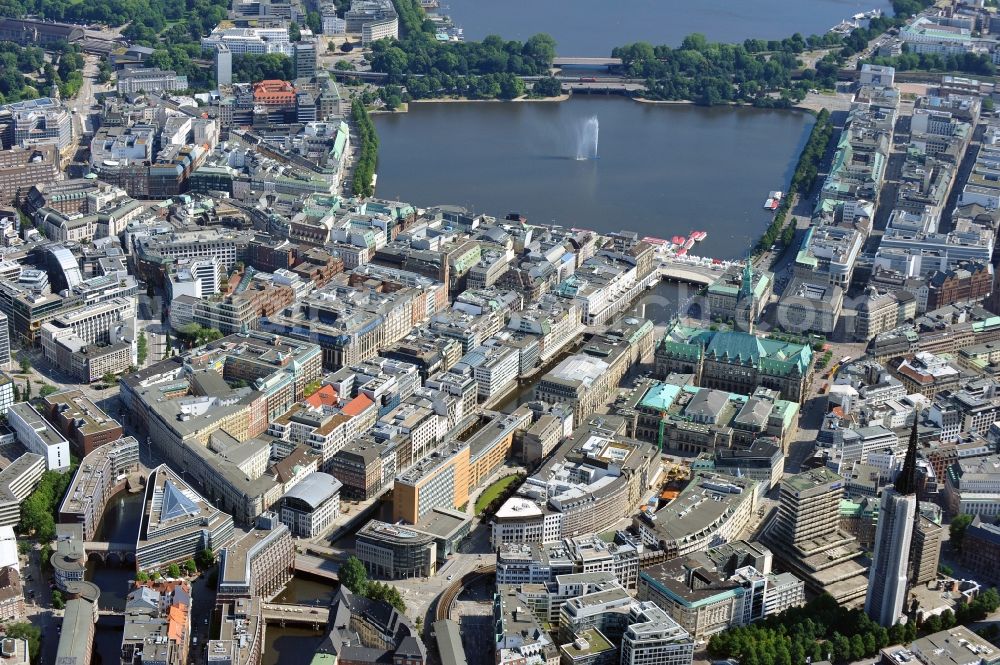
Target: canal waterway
[
  {"x": 120, "y": 524},
  {"x": 289, "y": 646},
  {"x": 661, "y": 170},
  {"x": 594, "y": 27},
  {"x": 294, "y": 645}
]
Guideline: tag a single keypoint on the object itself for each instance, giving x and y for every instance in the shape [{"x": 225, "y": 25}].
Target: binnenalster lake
[
  {"x": 594, "y": 27},
  {"x": 661, "y": 170}
]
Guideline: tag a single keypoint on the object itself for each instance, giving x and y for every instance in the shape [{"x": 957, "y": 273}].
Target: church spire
[
  {"x": 744, "y": 300},
  {"x": 906, "y": 481},
  {"x": 746, "y": 284}
]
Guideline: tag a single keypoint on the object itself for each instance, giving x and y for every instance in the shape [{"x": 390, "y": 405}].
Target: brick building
[
  {"x": 81, "y": 421},
  {"x": 969, "y": 282}
]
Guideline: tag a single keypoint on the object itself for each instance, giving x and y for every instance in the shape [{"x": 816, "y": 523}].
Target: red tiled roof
[
  {"x": 325, "y": 396},
  {"x": 357, "y": 405}
]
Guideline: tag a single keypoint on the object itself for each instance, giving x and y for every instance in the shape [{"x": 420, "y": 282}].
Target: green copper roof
[{"x": 661, "y": 396}]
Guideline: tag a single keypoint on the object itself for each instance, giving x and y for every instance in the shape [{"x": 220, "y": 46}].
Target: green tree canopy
[
  {"x": 23, "y": 630},
  {"x": 956, "y": 530},
  {"x": 354, "y": 576}
]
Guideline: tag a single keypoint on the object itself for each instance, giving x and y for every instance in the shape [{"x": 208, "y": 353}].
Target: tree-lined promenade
[{"x": 764, "y": 73}]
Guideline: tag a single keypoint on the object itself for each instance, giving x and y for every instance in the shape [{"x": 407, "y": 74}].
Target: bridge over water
[
  {"x": 107, "y": 552},
  {"x": 699, "y": 273},
  {"x": 576, "y": 61},
  {"x": 318, "y": 567},
  {"x": 300, "y": 615}
]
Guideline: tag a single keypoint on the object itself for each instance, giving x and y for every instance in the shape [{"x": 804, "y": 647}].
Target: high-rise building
[
  {"x": 809, "y": 506},
  {"x": 223, "y": 65},
  {"x": 889, "y": 577},
  {"x": 807, "y": 538},
  {"x": 4, "y": 340},
  {"x": 305, "y": 59}
]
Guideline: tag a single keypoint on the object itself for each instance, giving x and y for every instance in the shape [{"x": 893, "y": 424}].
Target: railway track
[{"x": 448, "y": 596}]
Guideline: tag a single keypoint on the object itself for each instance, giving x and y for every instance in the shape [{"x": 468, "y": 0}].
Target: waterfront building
[
  {"x": 79, "y": 621},
  {"x": 184, "y": 404},
  {"x": 396, "y": 551},
  {"x": 102, "y": 474},
  {"x": 363, "y": 632},
  {"x": 17, "y": 481},
  {"x": 38, "y": 436},
  {"x": 241, "y": 634},
  {"x": 310, "y": 507},
  {"x": 739, "y": 295},
  {"x": 258, "y": 563},
  {"x": 606, "y": 284},
  {"x": 69, "y": 561},
  {"x": 734, "y": 361},
  {"x": 157, "y": 624},
  {"x": 177, "y": 523}
]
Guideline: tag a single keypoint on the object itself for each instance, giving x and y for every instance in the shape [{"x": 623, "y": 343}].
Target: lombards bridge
[{"x": 112, "y": 554}]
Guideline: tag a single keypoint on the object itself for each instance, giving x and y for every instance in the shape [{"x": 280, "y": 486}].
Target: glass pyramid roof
[{"x": 176, "y": 503}]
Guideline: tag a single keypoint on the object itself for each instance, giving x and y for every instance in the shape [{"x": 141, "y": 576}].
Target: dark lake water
[
  {"x": 594, "y": 27},
  {"x": 662, "y": 170}
]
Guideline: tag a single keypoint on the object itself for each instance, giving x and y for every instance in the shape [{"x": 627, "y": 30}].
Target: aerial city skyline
[{"x": 403, "y": 332}]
